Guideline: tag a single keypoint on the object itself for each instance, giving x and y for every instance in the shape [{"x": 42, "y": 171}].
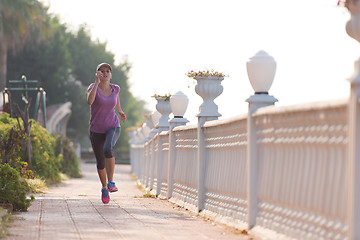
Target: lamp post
[
  {"x": 155, "y": 116},
  {"x": 261, "y": 70},
  {"x": 145, "y": 131},
  {"x": 178, "y": 103},
  {"x": 149, "y": 122}
]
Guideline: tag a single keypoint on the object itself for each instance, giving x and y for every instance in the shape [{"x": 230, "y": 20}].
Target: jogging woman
[{"x": 103, "y": 98}]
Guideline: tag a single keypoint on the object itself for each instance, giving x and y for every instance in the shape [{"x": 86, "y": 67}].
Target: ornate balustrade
[
  {"x": 302, "y": 154},
  {"x": 185, "y": 175},
  {"x": 302, "y": 167},
  {"x": 290, "y": 172}
]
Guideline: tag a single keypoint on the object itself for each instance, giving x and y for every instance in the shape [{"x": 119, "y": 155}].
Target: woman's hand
[
  {"x": 122, "y": 115},
  {"x": 92, "y": 92},
  {"x": 98, "y": 74}
]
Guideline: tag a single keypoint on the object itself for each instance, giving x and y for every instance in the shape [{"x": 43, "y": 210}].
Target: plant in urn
[
  {"x": 208, "y": 88},
  {"x": 163, "y": 107}
]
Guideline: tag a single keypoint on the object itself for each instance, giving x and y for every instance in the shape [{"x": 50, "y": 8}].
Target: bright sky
[{"x": 163, "y": 39}]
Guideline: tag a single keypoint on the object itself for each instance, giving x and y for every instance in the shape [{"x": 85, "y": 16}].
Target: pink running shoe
[
  {"x": 105, "y": 196},
  {"x": 111, "y": 186}
]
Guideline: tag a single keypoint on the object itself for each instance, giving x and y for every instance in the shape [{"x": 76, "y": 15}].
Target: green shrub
[
  {"x": 70, "y": 162},
  {"x": 45, "y": 164},
  {"x": 11, "y": 189},
  {"x": 44, "y": 161},
  {"x": 5, "y": 118},
  {"x": 6, "y": 124},
  {"x": 10, "y": 146},
  {"x": 10, "y": 141}
]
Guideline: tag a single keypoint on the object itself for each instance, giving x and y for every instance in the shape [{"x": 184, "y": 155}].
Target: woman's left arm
[{"x": 119, "y": 110}]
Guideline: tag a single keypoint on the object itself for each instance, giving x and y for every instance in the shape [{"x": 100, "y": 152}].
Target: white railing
[
  {"x": 303, "y": 170},
  {"x": 301, "y": 177},
  {"x": 280, "y": 172},
  {"x": 226, "y": 181},
  {"x": 185, "y": 175}
]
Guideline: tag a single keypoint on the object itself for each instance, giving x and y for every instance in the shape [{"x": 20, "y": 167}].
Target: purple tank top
[{"x": 103, "y": 116}]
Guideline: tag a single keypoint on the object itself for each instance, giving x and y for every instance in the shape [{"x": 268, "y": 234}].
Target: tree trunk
[
  {"x": 29, "y": 146},
  {"x": 27, "y": 128},
  {"x": 3, "y": 63}
]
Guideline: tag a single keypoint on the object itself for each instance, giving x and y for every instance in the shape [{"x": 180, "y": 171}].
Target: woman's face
[{"x": 105, "y": 73}]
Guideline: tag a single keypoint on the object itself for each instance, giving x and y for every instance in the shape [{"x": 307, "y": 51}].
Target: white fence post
[
  {"x": 142, "y": 156},
  {"x": 172, "y": 153},
  {"x": 208, "y": 87},
  {"x": 133, "y": 162},
  {"x": 178, "y": 103},
  {"x": 148, "y": 155},
  {"x": 261, "y": 71},
  {"x": 163, "y": 107},
  {"x": 353, "y": 210},
  {"x": 159, "y": 158},
  {"x": 353, "y": 204}
]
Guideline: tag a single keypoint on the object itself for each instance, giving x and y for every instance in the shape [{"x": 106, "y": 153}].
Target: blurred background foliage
[{"x": 64, "y": 62}]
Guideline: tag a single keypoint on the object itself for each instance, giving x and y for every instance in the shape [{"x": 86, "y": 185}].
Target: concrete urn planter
[
  {"x": 163, "y": 107},
  {"x": 353, "y": 25},
  {"x": 209, "y": 88}
]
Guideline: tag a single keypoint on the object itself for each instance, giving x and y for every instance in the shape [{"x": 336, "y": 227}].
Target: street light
[
  {"x": 179, "y": 103},
  {"x": 155, "y": 117},
  {"x": 261, "y": 70}
]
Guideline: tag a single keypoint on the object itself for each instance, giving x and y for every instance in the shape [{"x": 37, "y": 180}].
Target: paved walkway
[{"x": 73, "y": 210}]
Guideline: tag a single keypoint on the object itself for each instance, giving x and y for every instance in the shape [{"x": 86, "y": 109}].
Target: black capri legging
[{"x": 103, "y": 144}]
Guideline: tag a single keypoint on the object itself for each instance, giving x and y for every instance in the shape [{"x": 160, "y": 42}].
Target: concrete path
[{"x": 73, "y": 210}]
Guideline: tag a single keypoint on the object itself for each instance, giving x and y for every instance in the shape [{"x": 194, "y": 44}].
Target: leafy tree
[
  {"x": 64, "y": 63},
  {"x": 51, "y": 64},
  {"x": 18, "y": 19},
  {"x": 87, "y": 54}
]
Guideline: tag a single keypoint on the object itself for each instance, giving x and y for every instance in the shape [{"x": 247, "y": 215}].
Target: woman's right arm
[{"x": 91, "y": 93}]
